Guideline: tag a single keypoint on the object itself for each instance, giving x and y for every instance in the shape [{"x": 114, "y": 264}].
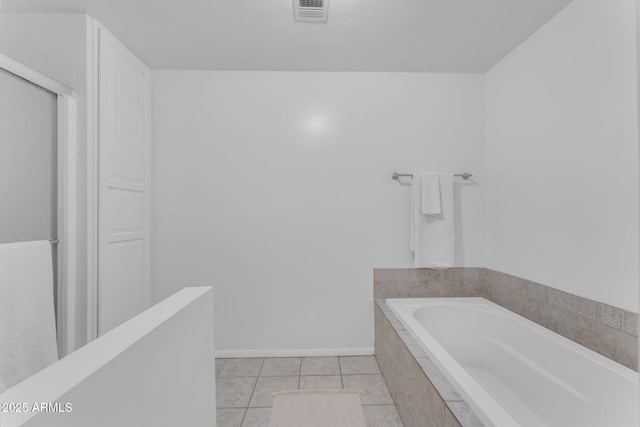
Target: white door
[{"x": 123, "y": 184}]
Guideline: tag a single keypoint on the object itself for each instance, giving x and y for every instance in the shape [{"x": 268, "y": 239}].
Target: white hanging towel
[
  {"x": 432, "y": 236},
  {"x": 27, "y": 320},
  {"x": 430, "y": 194}
]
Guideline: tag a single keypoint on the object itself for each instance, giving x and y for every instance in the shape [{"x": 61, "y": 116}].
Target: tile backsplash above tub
[
  {"x": 608, "y": 330},
  {"x": 426, "y": 282}
]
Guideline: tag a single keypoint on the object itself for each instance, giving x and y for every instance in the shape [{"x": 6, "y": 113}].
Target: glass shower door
[
  {"x": 28, "y": 164},
  {"x": 28, "y": 172}
]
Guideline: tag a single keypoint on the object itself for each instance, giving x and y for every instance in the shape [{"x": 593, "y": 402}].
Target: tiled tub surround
[
  {"x": 605, "y": 329},
  {"x": 244, "y": 387},
  {"x": 422, "y": 394}
]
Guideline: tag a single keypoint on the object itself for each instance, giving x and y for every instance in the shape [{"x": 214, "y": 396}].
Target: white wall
[
  {"x": 55, "y": 45},
  {"x": 638, "y": 87},
  {"x": 562, "y": 155},
  {"x": 156, "y": 369},
  {"x": 276, "y": 188}
]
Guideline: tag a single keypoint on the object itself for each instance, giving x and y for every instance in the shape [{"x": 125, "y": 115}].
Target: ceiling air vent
[{"x": 311, "y": 10}]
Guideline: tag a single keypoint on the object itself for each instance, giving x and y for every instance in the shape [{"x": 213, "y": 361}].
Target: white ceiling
[{"x": 361, "y": 35}]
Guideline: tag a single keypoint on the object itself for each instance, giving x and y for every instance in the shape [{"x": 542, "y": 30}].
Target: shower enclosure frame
[{"x": 66, "y": 201}]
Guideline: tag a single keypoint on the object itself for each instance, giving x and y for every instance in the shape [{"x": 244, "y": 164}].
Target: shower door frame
[{"x": 66, "y": 200}]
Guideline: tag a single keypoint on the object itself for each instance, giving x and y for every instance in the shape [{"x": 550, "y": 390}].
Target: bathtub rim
[
  {"x": 480, "y": 401},
  {"x": 476, "y": 397}
]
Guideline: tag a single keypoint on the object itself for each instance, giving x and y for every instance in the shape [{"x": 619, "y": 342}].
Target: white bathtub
[{"x": 514, "y": 372}]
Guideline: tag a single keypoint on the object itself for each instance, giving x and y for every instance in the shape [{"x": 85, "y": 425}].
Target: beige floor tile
[
  {"x": 350, "y": 365},
  {"x": 280, "y": 366},
  {"x": 219, "y": 365},
  {"x": 229, "y": 417},
  {"x": 381, "y": 416},
  {"x": 237, "y": 386},
  {"x": 374, "y": 388},
  {"x": 262, "y": 395},
  {"x": 320, "y": 366},
  {"x": 257, "y": 417},
  {"x": 320, "y": 382},
  {"x": 241, "y": 367},
  {"x": 234, "y": 392}
]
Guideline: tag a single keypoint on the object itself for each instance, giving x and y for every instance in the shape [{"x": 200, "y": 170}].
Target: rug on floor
[{"x": 317, "y": 408}]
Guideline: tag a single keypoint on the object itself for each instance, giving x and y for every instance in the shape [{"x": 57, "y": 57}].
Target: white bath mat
[{"x": 317, "y": 408}]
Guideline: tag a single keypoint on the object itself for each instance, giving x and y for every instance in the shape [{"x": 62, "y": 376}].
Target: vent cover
[{"x": 311, "y": 10}]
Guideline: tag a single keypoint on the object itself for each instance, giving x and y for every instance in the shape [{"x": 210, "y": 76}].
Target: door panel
[{"x": 123, "y": 186}]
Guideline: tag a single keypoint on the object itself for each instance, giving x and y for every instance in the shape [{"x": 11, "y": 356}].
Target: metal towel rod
[{"x": 397, "y": 175}]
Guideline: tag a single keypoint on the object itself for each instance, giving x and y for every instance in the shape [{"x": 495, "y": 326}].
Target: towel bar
[{"x": 397, "y": 175}]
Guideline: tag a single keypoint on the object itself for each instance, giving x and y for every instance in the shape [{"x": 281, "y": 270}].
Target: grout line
[
  {"x": 243, "y": 417},
  {"x": 261, "y": 366},
  {"x": 378, "y": 404},
  {"x": 314, "y": 375},
  {"x": 361, "y": 375},
  {"x": 224, "y": 362},
  {"x": 252, "y": 391}
]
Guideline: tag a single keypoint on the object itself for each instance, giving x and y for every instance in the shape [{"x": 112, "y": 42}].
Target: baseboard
[{"x": 295, "y": 352}]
